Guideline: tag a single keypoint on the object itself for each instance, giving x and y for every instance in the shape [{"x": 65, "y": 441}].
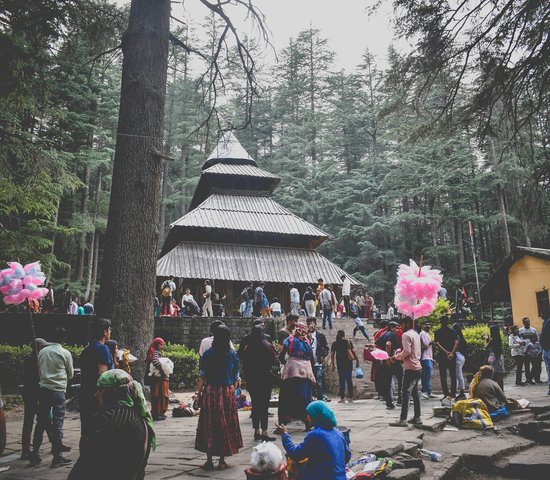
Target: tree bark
[
  {"x": 131, "y": 240},
  {"x": 83, "y": 211}
]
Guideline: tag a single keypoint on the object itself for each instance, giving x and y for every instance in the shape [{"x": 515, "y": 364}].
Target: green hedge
[
  {"x": 477, "y": 354},
  {"x": 12, "y": 361},
  {"x": 186, "y": 366}
]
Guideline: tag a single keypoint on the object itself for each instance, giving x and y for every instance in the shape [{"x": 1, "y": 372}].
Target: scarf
[
  {"x": 156, "y": 345},
  {"x": 321, "y": 414},
  {"x": 134, "y": 397}
]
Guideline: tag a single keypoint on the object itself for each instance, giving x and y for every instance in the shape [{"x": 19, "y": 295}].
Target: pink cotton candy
[
  {"x": 417, "y": 289},
  {"x": 20, "y": 283}
]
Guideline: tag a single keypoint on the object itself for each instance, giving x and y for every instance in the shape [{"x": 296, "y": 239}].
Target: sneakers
[
  {"x": 400, "y": 423},
  {"x": 431, "y": 395},
  {"x": 60, "y": 461},
  {"x": 415, "y": 421},
  {"x": 424, "y": 396},
  {"x": 34, "y": 460},
  {"x": 392, "y": 406}
]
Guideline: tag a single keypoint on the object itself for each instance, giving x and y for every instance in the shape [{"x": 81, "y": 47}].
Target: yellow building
[{"x": 523, "y": 280}]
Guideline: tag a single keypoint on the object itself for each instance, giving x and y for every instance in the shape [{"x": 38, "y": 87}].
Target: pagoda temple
[{"x": 235, "y": 233}]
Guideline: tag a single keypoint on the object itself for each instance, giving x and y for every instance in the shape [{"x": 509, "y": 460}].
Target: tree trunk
[
  {"x": 501, "y": 204},
  {"x": 92, "y": 257},
  {"x": 93, "y": 282},
  {"x": 460, "y": 260},
  {"x": 83, "y": 211},
  {"x": 131, "y": 240}
]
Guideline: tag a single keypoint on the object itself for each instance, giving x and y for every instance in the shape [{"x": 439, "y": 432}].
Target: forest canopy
[{"x": 393, "y": 162}]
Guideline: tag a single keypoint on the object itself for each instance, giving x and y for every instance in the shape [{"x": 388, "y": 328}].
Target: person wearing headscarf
[
  {"x": 298, "y": 377},
  {"x": 485, "y": 388},
  {"x": 122, "y": 435},
  {"x": 159, "y": 385},
  {"x": 259, "y": 357},
  {"x": 218, "y": 429},
  {"x": 325, "y": 447}
]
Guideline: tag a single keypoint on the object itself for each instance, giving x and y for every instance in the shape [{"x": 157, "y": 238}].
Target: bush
[
  {"x": 12, "y": 363},
  {"x": 442, "y": 308},
  {"x": 477, "y": 355},
  {"x": 186, "y": 366}
]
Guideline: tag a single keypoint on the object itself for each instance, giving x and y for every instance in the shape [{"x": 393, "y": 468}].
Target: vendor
[
  {"x": 324, "y": 447},
  {"x": 485, "y": 388}
]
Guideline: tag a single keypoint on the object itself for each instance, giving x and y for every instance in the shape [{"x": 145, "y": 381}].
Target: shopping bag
[
  {"x": 472, "y": 413},
  {"x": 359, "y": 372}
]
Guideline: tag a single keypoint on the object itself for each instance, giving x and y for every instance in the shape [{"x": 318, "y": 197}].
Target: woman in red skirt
[
  {"x": 159, "y": 385},
  {"x": 218, "y": 431}
]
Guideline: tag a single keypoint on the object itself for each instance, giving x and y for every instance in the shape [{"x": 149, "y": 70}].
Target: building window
[{"x": 542, "y": 301}]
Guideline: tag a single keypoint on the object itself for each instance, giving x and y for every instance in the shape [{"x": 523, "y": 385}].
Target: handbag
[{"x": 359, "y": 372}]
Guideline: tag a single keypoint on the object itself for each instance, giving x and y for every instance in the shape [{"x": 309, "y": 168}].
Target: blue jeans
[
  {"x": 546, "y": 356},
  {"x": 318, "y": 371},
  {"x": 427, "y": 369},
  {"x": 411, "y": 379},
  {"x": 344, "y": 377},
  {"x": 54, "y": 401},
  {"x": 327, "y": 317}
]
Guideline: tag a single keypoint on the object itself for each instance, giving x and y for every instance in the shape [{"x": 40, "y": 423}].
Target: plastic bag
[
  {"x": 266, "y": 457},
  {"x": 359, "y": 372},
  {"x": 473, "y": 414}
]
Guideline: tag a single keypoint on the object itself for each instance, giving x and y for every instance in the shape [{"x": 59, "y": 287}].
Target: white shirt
[
  {"x": 294, "y": 295},
  {"x": 206, "y": 343},
  {"x": 275, "y": 307},
  {"x": 530, "y": 331},
  {"x": 425, "y": 340},
  {"x": 186, "y": 298},
  {"x": 346, "y": 287},
  {"x": 208, "y": 291},
  {"x": 314, "y": 347},
  {"x": 390, "y": 313},
  {"x": 73, "y": 308},
  {"x": 517, "y": 345},
  {"x": 359, "y": 322}
]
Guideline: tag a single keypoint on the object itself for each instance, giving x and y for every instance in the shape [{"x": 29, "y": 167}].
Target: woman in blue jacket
[{"x": 325, "y": 447}]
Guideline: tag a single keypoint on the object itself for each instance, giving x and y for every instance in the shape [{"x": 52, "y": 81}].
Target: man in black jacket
[{"x": 320, "y": 351}]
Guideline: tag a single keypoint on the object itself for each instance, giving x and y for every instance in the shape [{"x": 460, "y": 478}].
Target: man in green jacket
[{"x": 55, "y": 367}]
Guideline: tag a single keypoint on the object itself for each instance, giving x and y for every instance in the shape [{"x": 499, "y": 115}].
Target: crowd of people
[
  {"x": 321, "y": 301},
  {"x": 118, "y": 425}
]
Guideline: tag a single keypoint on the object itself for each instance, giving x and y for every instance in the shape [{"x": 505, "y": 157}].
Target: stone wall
[{"x": 15, "y": 328}]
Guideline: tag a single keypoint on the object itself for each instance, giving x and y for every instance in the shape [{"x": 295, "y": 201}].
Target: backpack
[{"x": 166, "y": 292}]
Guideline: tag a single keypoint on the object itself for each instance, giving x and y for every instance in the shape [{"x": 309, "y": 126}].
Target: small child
[{"x": 359, "y": 325}]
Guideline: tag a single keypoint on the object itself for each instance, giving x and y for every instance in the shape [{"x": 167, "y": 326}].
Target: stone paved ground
[{"x": 176, "y": 458}]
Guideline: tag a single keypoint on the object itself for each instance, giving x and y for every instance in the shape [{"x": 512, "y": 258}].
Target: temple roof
[
  {"x": 250, "y": 213},
  {"x": 252, "y": 263}
]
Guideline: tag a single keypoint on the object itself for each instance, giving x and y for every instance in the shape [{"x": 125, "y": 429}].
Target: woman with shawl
[
  {"x": 298, "y": 378},
  {"x": 159, "y": 385},
  {"x": 218, "y": 430},
  {"x": 122, "y": 434},
  {"x": 324, "y": 447}
]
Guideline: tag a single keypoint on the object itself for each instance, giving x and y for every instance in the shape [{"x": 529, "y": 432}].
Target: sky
[{"x": 345, "y": 23}]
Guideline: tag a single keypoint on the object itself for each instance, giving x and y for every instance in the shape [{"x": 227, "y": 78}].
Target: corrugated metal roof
[
  {"x": 223, "y": 261},
  {"x": 229, "y": 147},
  {"x": 235, "y": 169},
  {"x": 250, "y": 213}
]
